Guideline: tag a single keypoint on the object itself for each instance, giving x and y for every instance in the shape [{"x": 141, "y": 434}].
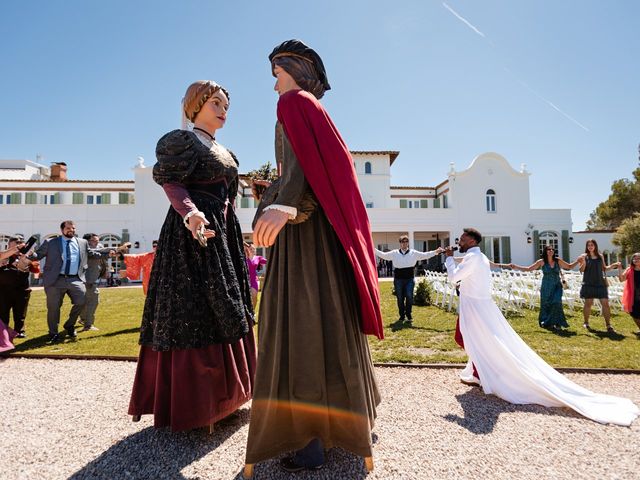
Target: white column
[{"x": 411, "y": 236}]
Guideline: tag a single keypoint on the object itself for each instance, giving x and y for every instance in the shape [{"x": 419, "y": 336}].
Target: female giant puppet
[
  {"x": 315, "y": 386},
  {"x": 197, "y": 355}
]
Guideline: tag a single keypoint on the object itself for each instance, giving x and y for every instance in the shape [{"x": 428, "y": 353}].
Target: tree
[
  {"x": 264, "y": 172},
  {"x": 627, "y": 237},
  {"x": 623, "y": 202}
]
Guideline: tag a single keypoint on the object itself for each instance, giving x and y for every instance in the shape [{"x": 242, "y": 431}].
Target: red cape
[{"x": 328, "y": 167}]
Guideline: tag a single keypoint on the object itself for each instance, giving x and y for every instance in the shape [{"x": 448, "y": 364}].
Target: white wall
[
  {"x": 466, "y": 201},
  {"x": 375, "y": 187}
]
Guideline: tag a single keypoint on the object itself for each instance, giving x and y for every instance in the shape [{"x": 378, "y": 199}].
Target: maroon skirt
[{"x": 191, "y": 388}]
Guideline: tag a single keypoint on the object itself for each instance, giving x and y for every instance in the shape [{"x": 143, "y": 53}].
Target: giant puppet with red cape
[{"x": 315, "y": 379}]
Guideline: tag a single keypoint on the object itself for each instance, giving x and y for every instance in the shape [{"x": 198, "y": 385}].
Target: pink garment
[
  {"x": 628, "y": 292},
  {"x": 179, "y": 197},
  {"x": 140, "y": 263},
  {"x": 252, "y": 265},
  {"x": 7, "y": 334}
]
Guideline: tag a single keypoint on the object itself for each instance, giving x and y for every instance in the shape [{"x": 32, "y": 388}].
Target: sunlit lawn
[{"x": 430, "y": 340}]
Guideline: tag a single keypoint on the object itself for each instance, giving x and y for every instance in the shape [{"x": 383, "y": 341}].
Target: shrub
[{"x": 424, "y": 294}]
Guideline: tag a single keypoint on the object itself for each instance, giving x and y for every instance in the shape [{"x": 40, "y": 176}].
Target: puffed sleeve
[{"x": 177, "y": 157}]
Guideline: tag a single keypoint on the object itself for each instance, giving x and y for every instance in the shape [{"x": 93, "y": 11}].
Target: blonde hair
[{"x": 196, "y": 96}]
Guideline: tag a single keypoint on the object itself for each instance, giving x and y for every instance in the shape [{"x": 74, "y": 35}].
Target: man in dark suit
[
  {"x": 97, "y": 266},
  {"x": 64, "y": 273}
]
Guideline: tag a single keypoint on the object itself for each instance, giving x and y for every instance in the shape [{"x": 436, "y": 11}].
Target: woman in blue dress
[{"x": 551, "y": 314}]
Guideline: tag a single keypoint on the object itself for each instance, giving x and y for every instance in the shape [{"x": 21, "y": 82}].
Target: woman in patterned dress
[
  {"x": 551, "y": 314},
  {"x": 197, "y": 354}
]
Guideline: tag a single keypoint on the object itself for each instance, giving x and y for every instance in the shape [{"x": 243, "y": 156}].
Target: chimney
[{"x": 59, "y": 172}]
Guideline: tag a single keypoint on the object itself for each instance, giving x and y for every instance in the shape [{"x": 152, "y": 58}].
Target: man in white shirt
[
  {"x": 508, "y": 368},
  {"x": 475, "y": 270},
  {"x": 404, "y": 261}
]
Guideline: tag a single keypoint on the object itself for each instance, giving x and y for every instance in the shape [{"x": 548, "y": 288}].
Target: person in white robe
[{"x": 507, "y": 367}]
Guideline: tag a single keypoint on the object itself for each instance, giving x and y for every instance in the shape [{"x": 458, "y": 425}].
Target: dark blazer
[{"x": 51, "y": 249}]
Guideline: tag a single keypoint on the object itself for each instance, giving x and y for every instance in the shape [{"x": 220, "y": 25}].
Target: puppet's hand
[{"x": 268, "y": 226}]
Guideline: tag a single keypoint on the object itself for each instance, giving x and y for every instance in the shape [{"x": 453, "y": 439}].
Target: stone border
[{"x": 614, "y": 371}]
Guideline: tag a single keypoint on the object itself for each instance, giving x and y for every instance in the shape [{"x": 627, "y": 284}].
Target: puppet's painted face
[
  {"x": 284, "y": 81},
  {"x": 214, "y": 111}
]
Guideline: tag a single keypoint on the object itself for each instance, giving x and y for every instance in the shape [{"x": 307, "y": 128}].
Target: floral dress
[{"x": 551, "y": 314}]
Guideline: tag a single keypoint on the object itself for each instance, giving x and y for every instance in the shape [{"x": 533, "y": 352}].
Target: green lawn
[{"x": 429, "y": 341}]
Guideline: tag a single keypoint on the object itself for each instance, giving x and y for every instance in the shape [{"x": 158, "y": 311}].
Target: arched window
[
  {"x": 549, "y": 238},
  {"x": 367, "y": 167},
  {"x": 4, "y": 242},
  {"x": 491, "y": 201}
]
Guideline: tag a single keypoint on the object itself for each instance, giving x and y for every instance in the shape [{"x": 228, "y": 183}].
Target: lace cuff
[
  {"x": 194, "y": 213},
  {"x": 291, "y": 211}
]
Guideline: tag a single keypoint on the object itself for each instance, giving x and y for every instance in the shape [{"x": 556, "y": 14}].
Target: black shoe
[
  {"x": 21, "y": 335},
  {"x": 55, "y": 338},
  {"x": 288, "y": 465},
  {"x": 401, "y": 319},
  {"x": 409, "y": 321},
  {"x": 71, "y": 332}
]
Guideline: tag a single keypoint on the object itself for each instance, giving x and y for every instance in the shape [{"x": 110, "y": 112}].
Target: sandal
[
  {"x": 586, "y": 326},
  {"x": 610, "y": 330}
]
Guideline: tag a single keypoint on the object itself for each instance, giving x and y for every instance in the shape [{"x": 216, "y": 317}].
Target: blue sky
[{"x": 552, "y": 84}]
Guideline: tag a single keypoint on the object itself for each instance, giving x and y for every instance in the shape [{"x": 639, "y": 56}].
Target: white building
[{"x": 488, "y": 195}]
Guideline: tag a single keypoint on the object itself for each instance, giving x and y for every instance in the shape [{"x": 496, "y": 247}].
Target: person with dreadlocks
[
  {"x": 315, "y": 385},
  {"x": 197, "y": 354}
]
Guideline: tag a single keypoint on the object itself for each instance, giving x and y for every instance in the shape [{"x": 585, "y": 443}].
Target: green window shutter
[
  {"x": 403, "y": 204},
  {"x": 244, "y": 202},
  {"x": 484, "y": 246},
  {"x": 123, "y": 198},
  {"x": 505, "y": 246},
  {"x": 436, "y": 203},
  {"x": 424, "y": 203},
  {"x": 16, "y": 198},
  {"x": 536, "y": 245},
  {"x": 31, "y": 198},
  {"x": 565, "y": 245},
  {"x": 106, "y": 198},
  {"x": 56, "y": 198},
  {"x": 125, "y": 235},
  {"x": 78, "y": 198}
]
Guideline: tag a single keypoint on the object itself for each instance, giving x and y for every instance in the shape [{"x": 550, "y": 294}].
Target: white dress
[{"x": 507, "y": 366}]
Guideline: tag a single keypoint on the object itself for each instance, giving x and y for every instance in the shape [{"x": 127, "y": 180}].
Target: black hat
[{"x": 297, "y": 48}]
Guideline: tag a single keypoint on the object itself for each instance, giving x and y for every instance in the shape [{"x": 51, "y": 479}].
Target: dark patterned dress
[
  {"x": 197, "y": 355},
  {"x": 593, "y": 282},
  {"x": 551, "y": 314},
  {"x": 635, "y": 311}
]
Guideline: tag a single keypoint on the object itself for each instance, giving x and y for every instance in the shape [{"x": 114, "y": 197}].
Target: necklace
[{"x": 206, "y": 133}]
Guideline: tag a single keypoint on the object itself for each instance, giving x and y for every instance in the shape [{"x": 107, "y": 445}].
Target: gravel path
[{"x": 67, "y": 419}]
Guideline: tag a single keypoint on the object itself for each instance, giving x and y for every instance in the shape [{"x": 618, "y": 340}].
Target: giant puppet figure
[
  {"x": 197, "y": 353},
  {"x": 315, "y": 385}
]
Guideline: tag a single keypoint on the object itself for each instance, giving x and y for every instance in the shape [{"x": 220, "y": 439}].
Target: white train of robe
[{"x": 508, "y": 368}]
